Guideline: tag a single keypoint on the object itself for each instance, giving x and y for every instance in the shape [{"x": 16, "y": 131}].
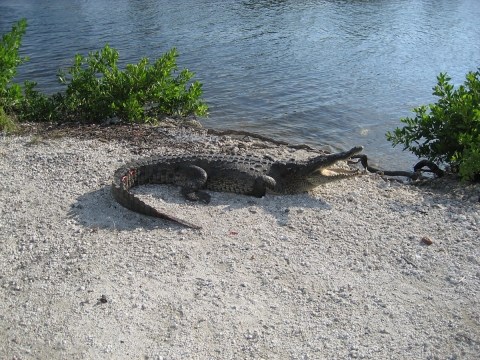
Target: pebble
[{"x": 426, "y": 240}]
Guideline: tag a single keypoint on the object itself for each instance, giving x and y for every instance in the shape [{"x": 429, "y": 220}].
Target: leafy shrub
[
  {"x": 37, "y": 107},
  {"x": 450, "y": 132},
  {"x": 97, "y": 89},
  {"x": 7, "y": 124},
  {"x": 11, "y": 94}
]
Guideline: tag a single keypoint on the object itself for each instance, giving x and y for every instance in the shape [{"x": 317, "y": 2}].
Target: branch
[
  {"x": 433, "y": 168},
  {"x": 415, "y": 175}
]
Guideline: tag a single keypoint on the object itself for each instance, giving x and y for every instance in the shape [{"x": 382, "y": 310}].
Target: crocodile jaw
[
  {"x": 333, "y": 172},
  {"x": 326, "y": 175},
  {"x": 325, "y": 172}
]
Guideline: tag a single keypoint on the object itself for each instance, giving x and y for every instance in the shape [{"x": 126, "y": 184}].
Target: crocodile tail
[{"x": 125, "y": 198}]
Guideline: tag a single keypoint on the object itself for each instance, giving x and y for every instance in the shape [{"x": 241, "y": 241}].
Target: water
[{"x": 331, "y": 74}]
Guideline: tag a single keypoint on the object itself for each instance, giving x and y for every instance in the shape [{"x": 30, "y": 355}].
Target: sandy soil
[{"x": 341, "y": 272}]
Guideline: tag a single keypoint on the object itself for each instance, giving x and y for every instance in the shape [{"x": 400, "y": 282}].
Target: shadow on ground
[{"x": 98, "y": 209}]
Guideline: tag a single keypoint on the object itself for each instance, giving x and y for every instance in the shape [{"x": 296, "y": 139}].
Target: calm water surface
[{"x": 332, "y": 74}]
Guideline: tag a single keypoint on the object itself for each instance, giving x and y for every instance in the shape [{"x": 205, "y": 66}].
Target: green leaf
[{"x": 447, "y": 131}]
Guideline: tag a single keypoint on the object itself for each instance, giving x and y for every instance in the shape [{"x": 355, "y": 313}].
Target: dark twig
[
  {"x": 433, "y": 168},
  {"x": 415, "y": 175},
  {"x": 409, "y": 262}
]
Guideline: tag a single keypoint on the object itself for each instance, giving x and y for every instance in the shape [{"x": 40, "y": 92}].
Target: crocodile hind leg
[{"x": 192, "y": 178}]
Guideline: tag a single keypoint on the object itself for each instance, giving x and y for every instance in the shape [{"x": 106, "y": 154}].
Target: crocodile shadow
[{"x": 98, "y": 208}]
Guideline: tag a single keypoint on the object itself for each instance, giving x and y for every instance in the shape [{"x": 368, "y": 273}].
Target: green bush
[
  {"x": 97, "y": 89},
  {"x": 447, "y": 132},
  {"x": 11, "y": 94},
  {"x": 7, "y": 124},
  {"x": 37, "y": 107}
]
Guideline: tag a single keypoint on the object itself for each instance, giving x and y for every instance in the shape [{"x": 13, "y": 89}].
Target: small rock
[{"x": 426, "y": 240}]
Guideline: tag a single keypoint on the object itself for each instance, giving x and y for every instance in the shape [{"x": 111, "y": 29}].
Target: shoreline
[{"x": 341, "y": 272}]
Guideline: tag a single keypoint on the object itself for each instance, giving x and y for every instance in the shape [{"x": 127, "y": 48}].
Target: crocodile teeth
[{"x": 337, "y": 172}]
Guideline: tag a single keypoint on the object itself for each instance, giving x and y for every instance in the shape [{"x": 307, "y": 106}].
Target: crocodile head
[
  {"x": 321, "y": 169},
  {"x": 303, "y": 176}
]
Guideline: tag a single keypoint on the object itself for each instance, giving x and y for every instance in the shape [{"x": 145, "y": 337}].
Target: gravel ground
[{"x": 341, "y": 272}]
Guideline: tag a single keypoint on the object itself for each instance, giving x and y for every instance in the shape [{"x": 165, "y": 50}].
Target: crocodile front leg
[
  {"x": 192, "y": 178},
  {"x": 262, "y": 183}
]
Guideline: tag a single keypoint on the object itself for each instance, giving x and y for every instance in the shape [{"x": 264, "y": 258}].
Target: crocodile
[{"x": 247, "y": 175}]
